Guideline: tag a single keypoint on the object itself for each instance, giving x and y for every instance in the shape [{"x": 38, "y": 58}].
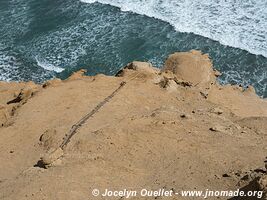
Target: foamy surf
[
  {"x": 47, "y": 66},
  {"x": 240, "y": 24},
  {"x": 72, "y": 35}
]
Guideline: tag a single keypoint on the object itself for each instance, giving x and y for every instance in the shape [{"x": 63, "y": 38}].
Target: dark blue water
[{"x": 43, "y": 39}]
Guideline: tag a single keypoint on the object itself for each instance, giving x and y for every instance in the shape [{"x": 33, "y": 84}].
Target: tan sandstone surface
[{"x": 174, "y": 129}]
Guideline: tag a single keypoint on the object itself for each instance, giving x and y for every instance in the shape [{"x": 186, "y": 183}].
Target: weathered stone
[
  {"x": 48, "y": 139},
  {"x": 217, "y": 73},
  {"x": 218, "y": 128},
  {"x": 193, "y": 67},
  {"x": 217, "y": 111},
  {"x": 263, "y": 185},
  {"x": 52, "y": 156}
]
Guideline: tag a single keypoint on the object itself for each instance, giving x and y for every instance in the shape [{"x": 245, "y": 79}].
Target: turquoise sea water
[{"x": 43, "y": 39}]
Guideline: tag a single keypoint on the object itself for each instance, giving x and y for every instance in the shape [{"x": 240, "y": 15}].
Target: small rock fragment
[
  {"x": 218, "y": 128},
  {"x": 52, "y": 157},
  {"x": 204, "y": 94},
  {"x": 53, "y": 82},
  {"x": 217, "y": 111},
  {"x": 226, "y": 175},
  {"x": 238, "y": 127},
  {"x": 185, "y": 116},
  {"x": 49, "y": 139},
  {"x": 250, "y": 89},
  {"x": 217, "y": 73}
]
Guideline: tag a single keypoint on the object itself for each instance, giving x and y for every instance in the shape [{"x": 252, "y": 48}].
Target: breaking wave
[{"x": 240, "y": 24}]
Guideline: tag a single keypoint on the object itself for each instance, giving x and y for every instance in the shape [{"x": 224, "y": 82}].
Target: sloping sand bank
[{"x": 174, "y": 128}]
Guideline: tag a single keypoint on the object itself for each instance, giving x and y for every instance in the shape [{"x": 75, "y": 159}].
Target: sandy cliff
[{"x": 174, "y": 128}]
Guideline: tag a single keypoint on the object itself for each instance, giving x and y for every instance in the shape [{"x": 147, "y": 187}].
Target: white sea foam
[
  {"x": 47, "y": 66},
  {"x": 6, "y": 71},
  {"x": 240, "y": 24}
]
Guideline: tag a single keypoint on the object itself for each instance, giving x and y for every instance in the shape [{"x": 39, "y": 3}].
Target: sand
[{"x": 174, "y": 129}]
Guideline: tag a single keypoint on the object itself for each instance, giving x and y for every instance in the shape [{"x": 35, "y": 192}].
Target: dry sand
[{"x": 174, "y": 128}]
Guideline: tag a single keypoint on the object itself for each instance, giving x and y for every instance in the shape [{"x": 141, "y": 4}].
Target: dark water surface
[{"x": 43, "y": 39}]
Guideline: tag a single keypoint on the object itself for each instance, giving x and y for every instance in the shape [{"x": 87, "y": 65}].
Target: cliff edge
[{"x": 176, "y": 128}]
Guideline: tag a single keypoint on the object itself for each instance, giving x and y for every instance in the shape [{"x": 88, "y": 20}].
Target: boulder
[{"x": 192, "y": 66}]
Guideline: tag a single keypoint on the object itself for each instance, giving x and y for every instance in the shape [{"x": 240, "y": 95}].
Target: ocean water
[{"x": 41, "y": 39}]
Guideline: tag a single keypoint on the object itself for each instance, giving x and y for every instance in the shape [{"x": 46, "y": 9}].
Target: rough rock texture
[
  {"x": 239, "y": 101},
  {"x": 14, "y": 95},
  {"x": 193, "y": 67},
  {"x": 175, "y": 129},
  {"x": 263, "y": 185}
]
